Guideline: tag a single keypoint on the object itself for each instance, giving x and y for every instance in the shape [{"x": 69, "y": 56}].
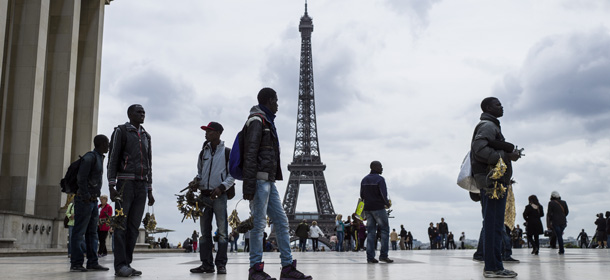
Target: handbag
[
  {"x": 465, "y": 179},
  {"x": 66, "y": 221}
]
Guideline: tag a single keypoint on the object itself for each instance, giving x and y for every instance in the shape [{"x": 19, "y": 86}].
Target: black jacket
[
  {"x": 443, "y": 228},
  {"x": 556, "y": 214},
  {"x": 600, "y": 222},
  {"x": 261, "y": 151},
  {"x": 483, "y": 156},
  {"x": 89, "y": 176},
  {"x": 130, "y": 155},
  {"x": 532, "y": 216}
]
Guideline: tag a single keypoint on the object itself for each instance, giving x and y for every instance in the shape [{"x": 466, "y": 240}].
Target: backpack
[
  {"x": 236, "y": 158},
  {"x": 68, "y": 183},
  {"x": 123, "y": 129},
  {"x": 230, "y": 191}
]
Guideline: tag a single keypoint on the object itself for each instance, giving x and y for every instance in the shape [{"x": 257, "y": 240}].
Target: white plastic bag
[{"x": 465, "y": 179}]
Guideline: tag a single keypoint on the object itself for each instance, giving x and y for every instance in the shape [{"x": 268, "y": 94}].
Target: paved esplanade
[{"x": 453, "y": 264}]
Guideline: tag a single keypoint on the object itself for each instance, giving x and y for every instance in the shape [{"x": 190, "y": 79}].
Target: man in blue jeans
[
  {"x": 86, "y": 215},
  {"x": 374, "y": 192},
  {"x": 487, "y": 152},
  {"x": 214, "y": 181},
  {"x": 261, "y": 168}
]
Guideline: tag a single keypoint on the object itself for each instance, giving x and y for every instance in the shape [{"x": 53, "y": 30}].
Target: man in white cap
[{"x": 556, "y": 218}]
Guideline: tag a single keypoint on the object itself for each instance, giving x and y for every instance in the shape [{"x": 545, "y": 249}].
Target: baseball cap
[{"x": 213, "y": 126}]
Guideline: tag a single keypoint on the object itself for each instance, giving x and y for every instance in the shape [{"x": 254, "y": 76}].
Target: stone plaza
[{"x": 418, "y": 264}]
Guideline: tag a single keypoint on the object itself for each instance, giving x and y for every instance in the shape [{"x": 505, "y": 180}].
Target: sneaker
[
  {"x": 78, "y": 268},
  {"x": 135, "y": 272},
  {"x": 372, "y": 261},
  {"x": 124, "y": 271},
  {"x": 290, "y": 272},
  {"x": 256, "y": 272},
  {"x": 222, "y": 270},
  {"x": 201, "y": 269},
  {"x": 97, "y": 267},
  {"x": 500, "y": 274},
  {"x": 478, "y": 260},
  {"x": 388, "y": 260},
  {"x": 510, "y": 260}
]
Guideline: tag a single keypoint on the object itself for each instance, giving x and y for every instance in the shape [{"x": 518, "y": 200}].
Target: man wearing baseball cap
[{"x": 214, "y": 181}]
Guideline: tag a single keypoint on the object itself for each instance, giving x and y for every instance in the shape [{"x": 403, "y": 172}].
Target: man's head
[
  {"x": 100, "y": 142},
  {"x": 268, "y": 98},
  {"x": 376, "y": 167},
  {"x": 492, "y": 106},
  {"x": 555, "y": 195},
  {"x": 442, "y": 219},
  {"x": 213, "y": 131},
  {"x": 136, "y": 114},
  {"x": 304, "y": 221}
]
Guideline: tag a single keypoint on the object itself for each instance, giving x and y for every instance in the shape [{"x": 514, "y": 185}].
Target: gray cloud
[
  {"x": 564, "y": 74},
  {"x": 416, "y": 10}
]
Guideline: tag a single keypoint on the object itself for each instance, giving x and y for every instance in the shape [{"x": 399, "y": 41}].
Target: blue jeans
[
  {"x": 444, "y": 243},
  {"x": 303, "y": 244},
  {"x": 340, "y": 237},
  {"x": 267, "y": 202},
  {"x": 219, "y": 211},
  {"x": 133, "y": 204},
  {"x": 86, "y": 216},
  {"x": 558, "y": 230},
  {"x": 377, "y": 219},
  {"x": 493, "y": 231}
]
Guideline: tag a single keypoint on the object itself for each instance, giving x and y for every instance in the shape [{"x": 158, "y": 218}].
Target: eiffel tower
[{"x": 306, "y": 167}]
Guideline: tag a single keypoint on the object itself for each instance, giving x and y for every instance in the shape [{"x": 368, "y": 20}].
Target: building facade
[{"x": 49, "y": 87}]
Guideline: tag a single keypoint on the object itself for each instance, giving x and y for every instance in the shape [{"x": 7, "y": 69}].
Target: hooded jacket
[{"x": 261, "y": 151}]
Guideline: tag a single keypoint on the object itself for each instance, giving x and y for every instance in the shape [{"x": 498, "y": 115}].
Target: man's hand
[
  {"x": 113, "y": 193},
  {"x": 249, "y": 196},
  {"x": 151, "y": 198},
  {"x": 514, "y": 156},
  {"x": 216, "y": 193}
]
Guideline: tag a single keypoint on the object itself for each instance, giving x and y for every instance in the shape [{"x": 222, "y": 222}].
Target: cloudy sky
[{"x": 399, "y": 81}]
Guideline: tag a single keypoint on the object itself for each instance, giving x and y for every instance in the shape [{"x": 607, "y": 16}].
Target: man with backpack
[
  {"x": 214, "y": 181},
  {"x": 261, "y": 168},
  {"x": 130, "y": 171},
  {"x": 86, "y": 215}
]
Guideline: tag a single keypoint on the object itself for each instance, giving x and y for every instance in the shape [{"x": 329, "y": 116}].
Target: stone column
[
  {"x": 22, "y": 105},
  {"x": 88, "y": 75}
]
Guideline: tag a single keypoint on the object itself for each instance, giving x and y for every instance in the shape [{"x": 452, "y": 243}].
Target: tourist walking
[
  {"x": 340, "y": 228},
  {"x": 557, "y": 211},
  {"x": 601, "y": 234},
  {"x": 315, "y": 232},
  {"x": 394, "y": 239},
  {"x": 105, "y": 210},
  {"x": 533, "y": 226},
  {"x": 302, "y": 232}
]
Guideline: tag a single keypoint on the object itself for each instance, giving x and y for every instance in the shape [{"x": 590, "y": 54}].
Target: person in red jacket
[{"x": 102, "y": 230}]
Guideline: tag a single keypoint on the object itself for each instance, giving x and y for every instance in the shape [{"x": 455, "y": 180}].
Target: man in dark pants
[
  {"x": 130, "y": 171},
  {"x": 443, "y": 229},
  {"x": 214, "y": 181},
  {"x": 89, "y": 180},
  {"x": 556, "y": 218},
  {"x": 374, "y": 192},
  {"x": 484, "y": 158}
]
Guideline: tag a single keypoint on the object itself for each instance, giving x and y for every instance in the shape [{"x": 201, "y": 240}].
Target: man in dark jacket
[
  {"x": 261, "y": 168},
  {"x": 130, "y": 171},
  {"x": 89, "y": 180},
  {"x": 443, "y": 229},
  {"x": 302, "y": 233},
  {"x": 556, "y": 217},
  {"x": 600, "y": 232},
  {"x": 493, "y": 189},
  {"x": 374, "y": 192}
]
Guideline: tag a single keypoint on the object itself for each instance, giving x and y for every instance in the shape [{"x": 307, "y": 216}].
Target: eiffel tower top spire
[{"x": 306, "y": 148}]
